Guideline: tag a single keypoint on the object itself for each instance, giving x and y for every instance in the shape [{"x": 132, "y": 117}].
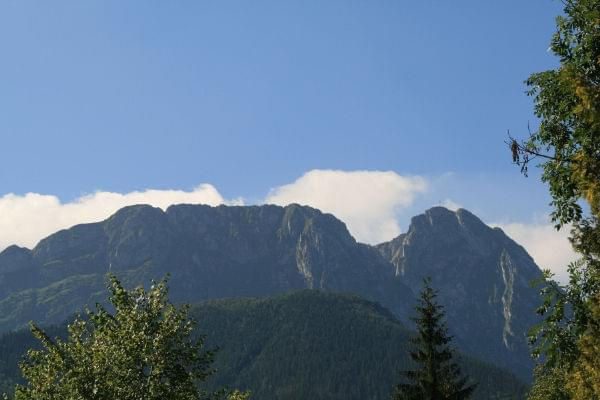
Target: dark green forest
[{"x": 304, "y": 345}]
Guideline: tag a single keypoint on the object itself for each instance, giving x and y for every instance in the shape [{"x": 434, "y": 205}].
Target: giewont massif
[{"x": 215, "y": 252}]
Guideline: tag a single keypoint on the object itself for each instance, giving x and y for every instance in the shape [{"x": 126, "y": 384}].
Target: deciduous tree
[
  {"x": 567, "y": 103},
  {"x": 145, "y": 350}
]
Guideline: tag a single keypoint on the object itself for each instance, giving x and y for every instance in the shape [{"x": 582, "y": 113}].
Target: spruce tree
[{"x": 437, "y": 376}]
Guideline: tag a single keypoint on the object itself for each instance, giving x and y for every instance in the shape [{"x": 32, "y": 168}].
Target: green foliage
[
  {"x": 237, "y": 395},
  {"x": 142, "y": 351},
  {"x": 549, "y": 384},
  {"x": 567, "y": 102},
  {"x": 565, "y": 316},
  {"x": 438, "y": 377},
  {"x": 584, "y": 381}
]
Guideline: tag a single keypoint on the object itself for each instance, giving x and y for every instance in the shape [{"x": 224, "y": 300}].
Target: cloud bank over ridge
[
  {"x": 367, "y": 201},
  {"x": 28, "y": 218}
]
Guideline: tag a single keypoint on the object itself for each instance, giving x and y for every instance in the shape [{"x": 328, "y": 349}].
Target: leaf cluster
[{"x": 567, "y": 103}]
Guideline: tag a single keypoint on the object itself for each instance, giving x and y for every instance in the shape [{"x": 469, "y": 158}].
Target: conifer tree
[{"x": 437, "y": 376}]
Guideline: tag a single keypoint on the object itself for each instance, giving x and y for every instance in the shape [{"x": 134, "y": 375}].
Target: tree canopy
[
  {"x": 567, "y": 103},
  {"x": 144, "y": 350}
]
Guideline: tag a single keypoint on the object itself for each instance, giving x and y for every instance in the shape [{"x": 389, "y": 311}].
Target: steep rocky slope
[{"x": 483, "y": 278}]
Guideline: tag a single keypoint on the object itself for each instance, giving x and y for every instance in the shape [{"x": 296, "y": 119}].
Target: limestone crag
[{"x": 483, "y": 278}]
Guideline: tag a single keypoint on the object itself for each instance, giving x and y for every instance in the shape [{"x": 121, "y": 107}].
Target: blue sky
[{"x": 248, "y": 97}]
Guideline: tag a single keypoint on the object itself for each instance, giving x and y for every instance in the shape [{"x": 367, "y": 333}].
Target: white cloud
[
  {"x": 24, "y": 220},
  {"x": 450, "y": 205},
  {"x": 367, "y": 201},
  {"x": 549, "y": 248}
]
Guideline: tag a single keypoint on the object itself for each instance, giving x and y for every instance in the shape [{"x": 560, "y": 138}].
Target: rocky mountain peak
[
  {"x": 15, "y": 258},
  {"x": 447, "y": 225},
  {"x": 471, "y": 264}
]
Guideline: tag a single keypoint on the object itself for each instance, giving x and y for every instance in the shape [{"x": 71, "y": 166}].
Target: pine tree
[{"x": 437, "y": 376}]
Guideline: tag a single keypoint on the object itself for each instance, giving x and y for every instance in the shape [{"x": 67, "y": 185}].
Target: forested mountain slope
[{"x": 305, "y": 345}]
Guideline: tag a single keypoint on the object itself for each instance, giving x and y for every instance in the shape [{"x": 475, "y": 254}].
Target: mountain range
[{"x": 216, "y": 252}]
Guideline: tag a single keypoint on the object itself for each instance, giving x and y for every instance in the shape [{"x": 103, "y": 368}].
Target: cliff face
[
  {"x": 483, "y": 278},
  {"x": 215, "y": 252}
]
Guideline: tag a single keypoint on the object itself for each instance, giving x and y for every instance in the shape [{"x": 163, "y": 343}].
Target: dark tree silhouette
[{"x": 437, "y": 376}]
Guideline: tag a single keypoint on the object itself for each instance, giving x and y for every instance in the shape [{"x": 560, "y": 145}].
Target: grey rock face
[{"x": 483, "y": 278}]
